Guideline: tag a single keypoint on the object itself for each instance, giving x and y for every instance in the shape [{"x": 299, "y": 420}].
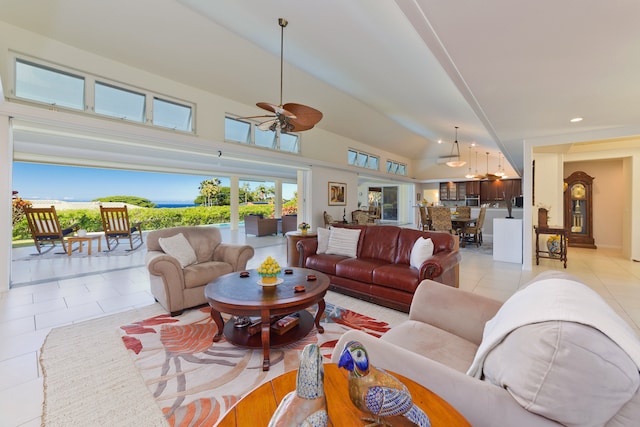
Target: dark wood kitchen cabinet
[
  {"x": 472, "y": 188},
  {"x": 500, "y": 190},
  {"x": 452, "y": 191}
]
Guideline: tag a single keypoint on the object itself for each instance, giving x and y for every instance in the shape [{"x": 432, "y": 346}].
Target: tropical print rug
[{"x": 195, "y": 381}]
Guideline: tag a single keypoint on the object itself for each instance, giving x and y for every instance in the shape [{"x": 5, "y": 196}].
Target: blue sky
[{"x": 44, "y": 182}]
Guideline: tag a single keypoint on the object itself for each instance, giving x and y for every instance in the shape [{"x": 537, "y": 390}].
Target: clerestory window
[{"x": 43, "y": 84}]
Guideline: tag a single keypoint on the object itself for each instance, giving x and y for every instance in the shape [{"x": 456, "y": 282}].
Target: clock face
[{"x": 578, "y": 191}]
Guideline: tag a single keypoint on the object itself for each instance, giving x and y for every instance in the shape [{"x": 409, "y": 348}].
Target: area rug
[
  {"x": 195, "y": 381},
  {"x": 136, "y": 367}
]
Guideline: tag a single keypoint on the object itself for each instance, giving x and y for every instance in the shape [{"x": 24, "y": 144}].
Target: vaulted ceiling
[{"x": 397, "y": 75}]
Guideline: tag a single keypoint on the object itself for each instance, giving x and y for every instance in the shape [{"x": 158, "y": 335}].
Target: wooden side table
[
  {"x": 86, "y": 238},
  {"x": 294, "y": 237},
  {"x": 256, "y": 408},
  {"x": 564, "y": 240}
]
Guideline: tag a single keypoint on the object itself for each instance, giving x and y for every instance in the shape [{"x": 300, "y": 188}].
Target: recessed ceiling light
[{"x": 576, "y": 119}]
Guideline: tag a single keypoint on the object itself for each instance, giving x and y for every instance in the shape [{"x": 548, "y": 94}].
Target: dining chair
[
  {"x": 424, "y": 218},
  {"x": 473, "y": 233},
  {"x": 441, "y": 219},
  {"x": 116, "y": 226},
  {"x": 45, "y": 228},
  {"x": 360, "y": 217},
  {"x": 464, "y": 211}
]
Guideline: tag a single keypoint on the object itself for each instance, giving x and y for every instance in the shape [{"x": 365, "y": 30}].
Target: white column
[
  {"x": 6, "y": 161},
  {"x": 277, "y": 207},
  {"x": 234, "y": 195}
]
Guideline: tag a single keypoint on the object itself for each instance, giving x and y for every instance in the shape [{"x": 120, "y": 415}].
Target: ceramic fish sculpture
[
  {"x": 377, "y": 392},
  {"x": 306, "y": 406}
]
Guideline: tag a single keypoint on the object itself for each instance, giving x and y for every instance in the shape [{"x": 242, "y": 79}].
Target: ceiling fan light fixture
[
  {"x": 458, "y": 162},
  {"x": 289, "y": 117}
]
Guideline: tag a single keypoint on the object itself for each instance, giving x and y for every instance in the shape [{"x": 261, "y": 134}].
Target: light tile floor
[{"x": 52, "y": 292}]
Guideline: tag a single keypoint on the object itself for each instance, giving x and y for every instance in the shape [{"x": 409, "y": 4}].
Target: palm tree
[
  {"x": 208, "y": 189},
  {"x": 245, "y": 189}
]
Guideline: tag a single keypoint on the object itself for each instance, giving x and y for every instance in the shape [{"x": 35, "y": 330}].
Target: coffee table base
[{"x": 241, "y": 337}]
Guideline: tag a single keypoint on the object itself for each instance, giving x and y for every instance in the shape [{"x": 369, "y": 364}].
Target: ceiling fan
[
  {"x": 489, "y": 176},
  {"x": 290, "y": 117}
]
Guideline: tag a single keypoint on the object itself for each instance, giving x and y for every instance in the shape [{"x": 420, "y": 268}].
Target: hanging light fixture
[
  {"x": 457, "y": 162},
  {"x": 469, "y": 175},
  {"x": 500, "y": 171}
]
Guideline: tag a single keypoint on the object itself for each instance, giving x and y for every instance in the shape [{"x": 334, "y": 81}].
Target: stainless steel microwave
[{"x": 472, "y": 201}]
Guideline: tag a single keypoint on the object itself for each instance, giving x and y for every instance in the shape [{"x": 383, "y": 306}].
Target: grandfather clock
[{"x": 578, "y": 209}]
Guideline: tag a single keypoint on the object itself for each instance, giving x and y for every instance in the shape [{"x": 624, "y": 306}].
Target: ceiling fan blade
[
  {"x": 276, "y": 109},
  {"x": 305, "y": 117},
  {"x": 267, "y": 124},
  {"x": 264, "y": 116}
]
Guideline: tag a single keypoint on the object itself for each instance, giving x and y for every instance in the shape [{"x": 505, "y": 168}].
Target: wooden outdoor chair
[
  {"x": 116, "y": 226},
  {"x": 45, "y": 228}
]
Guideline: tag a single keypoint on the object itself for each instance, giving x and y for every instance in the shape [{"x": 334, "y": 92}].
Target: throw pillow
[
  {"x": 323, "y": 240},
  {"x": 343, "y": 241},
  {"x": 568, "y": 372},
  {"x": 178, "y": 247},
  {"x": 422, "y": 250}
]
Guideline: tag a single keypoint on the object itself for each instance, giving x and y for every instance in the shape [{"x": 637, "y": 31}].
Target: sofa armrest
[
  {"x": 306, "y": 248},
  {"x": 456, "y": 311},
  {"x": 438, "y": 264},
  {"x": 481, "y": 403},
  {"x": 160, "y": 264},
  {"x": 235, "y": 255}
]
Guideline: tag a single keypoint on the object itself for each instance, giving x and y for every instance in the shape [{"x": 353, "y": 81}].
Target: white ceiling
[{"x": 397, "y": 75}]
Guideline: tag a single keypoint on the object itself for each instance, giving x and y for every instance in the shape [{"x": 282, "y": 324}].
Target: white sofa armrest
[
  {"x": 453, "y": 310},
  {"x": 481, "y": 403}
]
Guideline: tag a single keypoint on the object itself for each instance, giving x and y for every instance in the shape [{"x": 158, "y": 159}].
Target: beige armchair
[
  {"x": 542, "y": 373},
  {"x": 176, "y": 287}
]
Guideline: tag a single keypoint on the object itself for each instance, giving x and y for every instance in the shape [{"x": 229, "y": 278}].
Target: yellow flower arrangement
[{"x": 269, "y": 270}]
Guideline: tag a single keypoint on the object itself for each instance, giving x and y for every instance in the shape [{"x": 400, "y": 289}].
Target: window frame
[
  {"x": 369, "y": 159},
  {"x": 90, "y": 81},
  {"x": 276, "y": 144}
]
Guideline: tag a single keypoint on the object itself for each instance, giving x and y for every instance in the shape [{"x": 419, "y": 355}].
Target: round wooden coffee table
[
  {"x": 257, "y": 408},
  {"x": 243, "y": 296}
]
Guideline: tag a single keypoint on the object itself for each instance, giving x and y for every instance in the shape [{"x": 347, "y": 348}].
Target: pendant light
[
  {"x": 469, "y": 175},
  {"x": 500, "y": 171},
  {"x": 458, "y": 162}
]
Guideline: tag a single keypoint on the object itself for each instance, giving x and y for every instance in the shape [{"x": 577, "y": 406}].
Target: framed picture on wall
[{"x": 337, "y": 194}]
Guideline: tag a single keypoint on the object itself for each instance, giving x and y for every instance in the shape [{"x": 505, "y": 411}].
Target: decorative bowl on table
[{"x": 268, "y": 272}]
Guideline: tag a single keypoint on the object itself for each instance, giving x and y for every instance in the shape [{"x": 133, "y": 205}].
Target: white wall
[
  {"x": 321, "y": 176},
  {"x": 549, "y": 175}
]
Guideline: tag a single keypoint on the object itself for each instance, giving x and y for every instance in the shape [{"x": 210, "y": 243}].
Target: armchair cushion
[
  {"x": 422, "y": 250},
  {"x": 178, "y": 247}
]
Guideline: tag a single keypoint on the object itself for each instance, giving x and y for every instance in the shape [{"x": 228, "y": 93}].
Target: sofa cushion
[
  {"x": 380, "y": 243},
  {"x": 421, "y": 251},
  {"x": 565, "y": 371},
  {"x": 178, "y": 247},
  {"x": 397, "y": 276},
  {"x": 324, "y": 263},
  {"x": 358, "y": 269},
  {"x": 433, "y": 343},
  {"x": 343, "y": 241},
  {"x": 323, "y": 240}
]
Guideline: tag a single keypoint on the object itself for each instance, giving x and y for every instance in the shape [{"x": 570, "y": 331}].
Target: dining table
[{"x": 460, "y": 223}]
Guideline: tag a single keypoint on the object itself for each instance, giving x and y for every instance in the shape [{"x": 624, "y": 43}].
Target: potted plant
[{"x": 304, "y": 227}]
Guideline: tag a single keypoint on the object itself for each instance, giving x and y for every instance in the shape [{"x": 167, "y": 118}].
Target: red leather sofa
[{"x": 381, "y": 273}]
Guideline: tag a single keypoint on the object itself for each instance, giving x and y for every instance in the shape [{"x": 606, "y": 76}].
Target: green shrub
[{"x": 152, "y": 219}]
